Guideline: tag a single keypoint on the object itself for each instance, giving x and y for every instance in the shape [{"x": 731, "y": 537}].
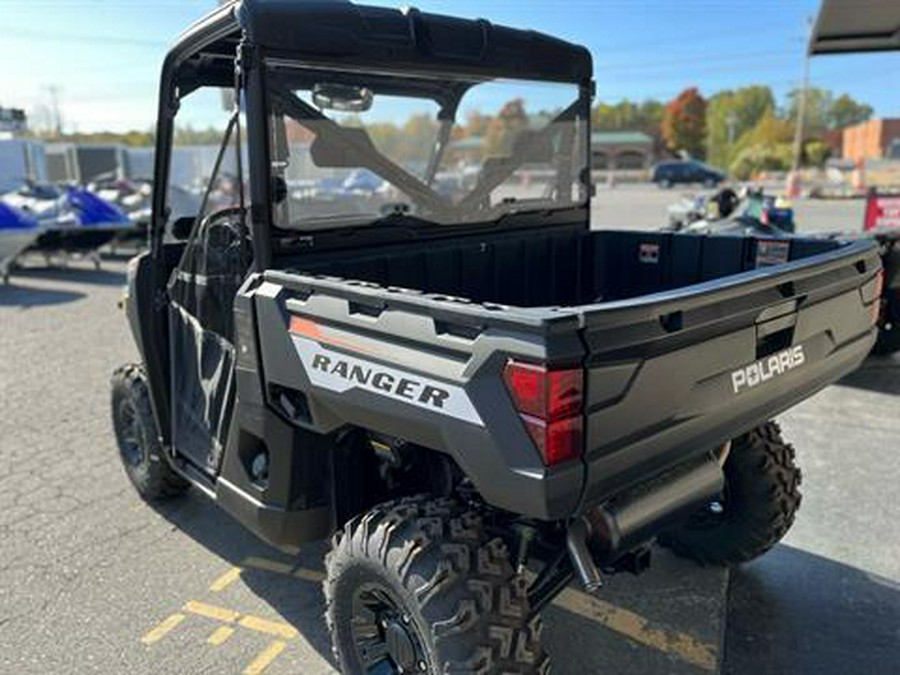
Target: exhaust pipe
[{"x": 580, "y": 555}]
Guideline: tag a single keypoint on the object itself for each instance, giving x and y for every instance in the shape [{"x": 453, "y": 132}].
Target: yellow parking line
[
  {"x": 275, "y": 628},
  {"x": 635, "y": 626},
  {"x": 163, "y": 629},
  {"x": 211, "y": 611},
  {"x": 310, "y": 575},
  {"x": 267, "y": 565},
  {"x": 219, "y": 635},
  {"x": 225, "y": 580},
  {"x": 265, "y": 657}
]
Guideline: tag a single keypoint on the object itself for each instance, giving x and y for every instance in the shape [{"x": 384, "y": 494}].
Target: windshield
[{"x": 350, "y": 148}]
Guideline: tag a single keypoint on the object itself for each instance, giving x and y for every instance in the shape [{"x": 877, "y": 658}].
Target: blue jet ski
[
  {"x": 73, "y": 220},
  {"x": 18, "y": 231}
]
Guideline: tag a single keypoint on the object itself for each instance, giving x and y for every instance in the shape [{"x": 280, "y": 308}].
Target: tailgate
[{"x": 678, "y": 373}]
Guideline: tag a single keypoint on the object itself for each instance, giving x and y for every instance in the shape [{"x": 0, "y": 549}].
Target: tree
[
  {"x": 476, "y": 124},
  {"x": 188, "y": 135},
  {"x": 818, "y": 109},
  {"x": 765, "y": 147},
  {"x": 730, "y": 114},
  {"x": 503, "y": 129},
  {"x": 628, "y": 116},
  {"x": 845, "y": 112},
  {"x": 417, "y": 138},
  {"x": 684, "y": 123},
  {"x": 410, "y": 144},
  {"x": 816, "y": 153}
]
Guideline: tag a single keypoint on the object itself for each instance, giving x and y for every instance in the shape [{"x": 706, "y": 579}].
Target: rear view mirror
[
  {"x": 342, "y": 97},
  {"x": 181, "y": 228}
]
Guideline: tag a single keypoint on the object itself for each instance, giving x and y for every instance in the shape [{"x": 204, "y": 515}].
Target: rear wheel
[
  {"x": 418, "y": 586},
  {"x": 137, "y": 437},
  {"x": 757, "y": 507}
]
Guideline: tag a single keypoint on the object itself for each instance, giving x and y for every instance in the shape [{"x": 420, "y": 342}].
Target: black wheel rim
[
  {"x": 386, "y": 639},
  {"x": 130, "y": 435}
]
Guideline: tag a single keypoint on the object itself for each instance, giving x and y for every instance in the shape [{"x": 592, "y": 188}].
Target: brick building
[
  {"x": 870, "y": 140},
  {"x": 632, "y": 150}
]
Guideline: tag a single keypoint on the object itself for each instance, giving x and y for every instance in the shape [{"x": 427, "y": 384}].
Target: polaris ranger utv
[{"x": 413, "y": 343}]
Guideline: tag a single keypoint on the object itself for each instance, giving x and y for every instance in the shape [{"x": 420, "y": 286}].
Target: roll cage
[{"x": 231, "y": 47}]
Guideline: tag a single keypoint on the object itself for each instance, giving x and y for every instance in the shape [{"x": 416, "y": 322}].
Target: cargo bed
[{"x": 556, "y": 266}]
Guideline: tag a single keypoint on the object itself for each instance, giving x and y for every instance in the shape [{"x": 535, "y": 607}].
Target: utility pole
[
  {"x": 793, "y": 186},
  {"x": 731, "y": 120},
  {"x": 53, "y": 94}
]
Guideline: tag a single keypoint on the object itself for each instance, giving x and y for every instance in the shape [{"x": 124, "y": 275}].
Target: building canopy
[{"x": 846, "y": 26}]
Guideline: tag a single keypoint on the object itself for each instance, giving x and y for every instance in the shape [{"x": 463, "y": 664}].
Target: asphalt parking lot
[
  {"x": 94, "y": 581},
  {"x": 642, "y": 206}
]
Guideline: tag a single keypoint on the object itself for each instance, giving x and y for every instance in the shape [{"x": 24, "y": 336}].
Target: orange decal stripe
[{"x": 310, "y": 329}]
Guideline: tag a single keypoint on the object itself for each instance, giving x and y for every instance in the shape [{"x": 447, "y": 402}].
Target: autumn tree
[
  {"x": 476, "y": 125},
  {"x": 502, "y": 130},
  {"x": 684, "y": 123}
]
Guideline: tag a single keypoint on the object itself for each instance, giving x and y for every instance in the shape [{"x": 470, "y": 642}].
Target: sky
[{"x": 102, "y": 57}]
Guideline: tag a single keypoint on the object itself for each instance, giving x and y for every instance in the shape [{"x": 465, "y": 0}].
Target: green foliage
[
  {"x": 188, "y": 135},
  {"x": 756, "y": 158},
  {"x": 824, "y": 111},
  {"x": 769, "y": 130},
  {"x": 765, "y": 147},
  {"x": 133, "y": 138},
  {"x": 684, "y": 123},
  {"x": 816, "y": 153},
  {"x": 628, "y": 116},
  {"x": 818, "y": 109},
  {"x": 729, "y": 115},
  {"x": 846, "y": 111}
]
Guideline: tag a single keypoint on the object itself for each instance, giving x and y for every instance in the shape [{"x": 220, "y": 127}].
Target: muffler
[{"x": 637, "y": 515}]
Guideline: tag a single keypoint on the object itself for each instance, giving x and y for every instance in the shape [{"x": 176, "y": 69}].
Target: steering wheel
[
  {"x": 228, "y": 212},
  {"x": 220, "y": 232}
]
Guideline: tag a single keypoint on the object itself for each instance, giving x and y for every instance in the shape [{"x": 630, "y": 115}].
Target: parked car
[{"x": 681, "y": 172}]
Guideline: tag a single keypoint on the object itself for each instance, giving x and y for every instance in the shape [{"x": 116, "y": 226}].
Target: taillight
[
  {"x": 550, "y": 403},
  {"x": 879, "y": 289}
]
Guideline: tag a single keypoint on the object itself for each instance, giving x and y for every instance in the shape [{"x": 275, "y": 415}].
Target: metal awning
[{"x": 846, "y": 26}]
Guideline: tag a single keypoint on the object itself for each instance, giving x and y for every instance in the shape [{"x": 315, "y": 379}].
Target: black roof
[
  {"x": 846, "y": 26},
  {"x": 341, "y": 32}
]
